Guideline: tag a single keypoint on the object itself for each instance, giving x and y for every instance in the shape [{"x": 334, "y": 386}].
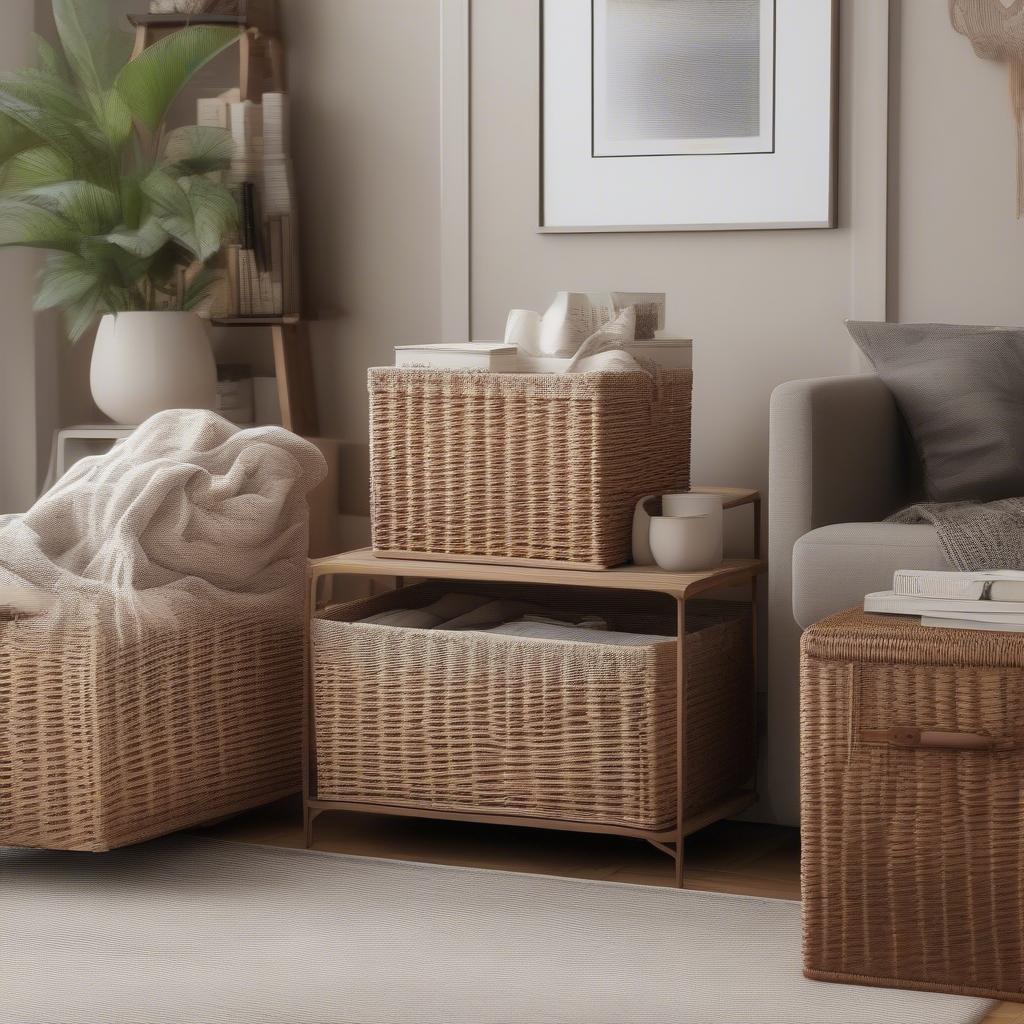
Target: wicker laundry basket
[
  {"x": 912, "y": 770},
  {"x": 105, "y": 743},
  {"x": 522, "y": 467},
  {"x": 483, "y": 723}
]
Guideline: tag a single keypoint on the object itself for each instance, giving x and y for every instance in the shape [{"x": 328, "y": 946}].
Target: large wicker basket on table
[
  {"x": 483, "y": 723},
  {"x": 104, "y": 743},
  {"x": 912, "y": 755},
  {"x": 522, "y": 467}
]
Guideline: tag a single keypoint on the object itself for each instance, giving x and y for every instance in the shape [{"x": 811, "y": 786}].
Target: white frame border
[{"x": 829, "y": 222}]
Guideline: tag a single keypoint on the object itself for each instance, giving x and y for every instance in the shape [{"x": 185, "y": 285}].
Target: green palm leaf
[
  {"x": 94, "y": 48},
  {"x": 95, "y": 51},
  {"x": 14, "y": 138},
  {"x": 64, "y": 279},
  {"x": 80, "y": 314},
  {"x": 150, "y": 82},
  {"x": 143, "y": 241},
  {"x": 195, "y": 212},
  {"x": 23, "y": 223},
  {"x": 198, "y": 149},
  {"x": 33, "y": 167},
  {"x": 47, "y": 91},
  {"x": 90, "y": 209},
  {"x": 47, "y": 57},
  {"x": 57, "y": 131}
]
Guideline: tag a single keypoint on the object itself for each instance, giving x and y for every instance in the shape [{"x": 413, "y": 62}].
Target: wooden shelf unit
[
  {"x": 260, "y": 47},
  {"x": 681, "y": 587}
]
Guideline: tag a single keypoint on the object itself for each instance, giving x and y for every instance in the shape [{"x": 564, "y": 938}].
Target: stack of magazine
[{"x": 955, "y": 600}]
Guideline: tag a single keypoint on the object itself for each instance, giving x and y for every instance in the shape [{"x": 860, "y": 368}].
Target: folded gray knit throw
[{"x": 974, "y": 536}]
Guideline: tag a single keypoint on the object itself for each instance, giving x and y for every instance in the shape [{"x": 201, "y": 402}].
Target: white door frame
[{"x": 455, "y": 196}]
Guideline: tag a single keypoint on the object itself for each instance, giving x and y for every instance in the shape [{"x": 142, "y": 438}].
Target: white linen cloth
[{"x": 188, "y": 514}]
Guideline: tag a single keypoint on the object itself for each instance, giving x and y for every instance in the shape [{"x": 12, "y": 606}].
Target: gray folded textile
[
  {"x": 576, "y": 634},
  {"x": 493, "y": 613},
  {"x": 974, "y": 536},
  {"x": 430, "y": 616}
]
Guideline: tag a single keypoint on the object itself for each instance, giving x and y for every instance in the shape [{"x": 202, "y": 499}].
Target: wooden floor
[{"x": 732, "y": 856}]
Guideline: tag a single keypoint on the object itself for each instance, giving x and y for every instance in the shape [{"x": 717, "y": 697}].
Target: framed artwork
[{"x": 662, "y": 115}]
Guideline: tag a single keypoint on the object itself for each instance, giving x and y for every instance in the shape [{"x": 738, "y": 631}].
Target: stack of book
[
  {"x": 955, "y": 600},
  {"x": 260, "y": 265}
]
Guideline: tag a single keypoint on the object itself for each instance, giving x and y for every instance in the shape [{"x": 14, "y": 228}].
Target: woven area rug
[{"x": 197, "y": 930}]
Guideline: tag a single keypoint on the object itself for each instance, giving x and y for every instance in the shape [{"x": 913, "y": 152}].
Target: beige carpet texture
[{"x": 197, "y": 930}]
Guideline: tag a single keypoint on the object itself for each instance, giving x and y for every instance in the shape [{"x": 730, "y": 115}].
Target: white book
[
  {"x": 890, "y": 603},
  {"x": 275, "y": 125},
  {"x": 942, "y": 622},
  {"x": 493, "y": 356},
  {"x": 212, "y": 112},
  {"x": 994, "y": 585}
]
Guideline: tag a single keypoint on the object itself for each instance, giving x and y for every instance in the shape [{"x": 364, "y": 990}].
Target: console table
[{"x": 681, "y": 587}]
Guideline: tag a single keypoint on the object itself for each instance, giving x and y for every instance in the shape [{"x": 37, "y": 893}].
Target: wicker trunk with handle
[
  {"x": 912, "y": 788},
  {"x": 518, "y": 467}
]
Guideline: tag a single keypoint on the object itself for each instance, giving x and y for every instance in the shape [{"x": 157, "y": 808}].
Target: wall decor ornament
[
  {"x": 687, "y": 114},
  {"x": 996, "y": 32}
]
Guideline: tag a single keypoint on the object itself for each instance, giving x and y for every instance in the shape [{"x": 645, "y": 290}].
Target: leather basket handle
[{"x": 909, "y": 737}]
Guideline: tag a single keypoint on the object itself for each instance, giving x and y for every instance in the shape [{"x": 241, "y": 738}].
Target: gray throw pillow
[{"x": 961, "y": 391}]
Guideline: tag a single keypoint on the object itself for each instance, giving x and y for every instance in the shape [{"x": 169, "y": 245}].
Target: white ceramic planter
[{"x": 146, "y": 362}]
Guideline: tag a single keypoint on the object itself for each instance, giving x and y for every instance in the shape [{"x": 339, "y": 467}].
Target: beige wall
[
  {"x": 364, "y": 78},
  {"x": 960, "y": 245},
  {"x": 20, "y": 441}
]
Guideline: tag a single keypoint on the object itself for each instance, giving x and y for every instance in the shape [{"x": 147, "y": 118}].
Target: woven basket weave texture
[
  {"x": 481, "y": 723},
  {"x": 522, "y": 466},
  {"x": 913, "y": 859},
  {"x": 105, "y": 743}
]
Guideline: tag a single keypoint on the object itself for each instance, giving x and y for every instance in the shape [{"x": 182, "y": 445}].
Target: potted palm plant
[{"x": 90, "y": 173}]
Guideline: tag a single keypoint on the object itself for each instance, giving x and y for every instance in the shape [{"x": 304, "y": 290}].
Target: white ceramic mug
[
  {"x": 680, "y": 547},
  {"x": 686, "y": 543}
]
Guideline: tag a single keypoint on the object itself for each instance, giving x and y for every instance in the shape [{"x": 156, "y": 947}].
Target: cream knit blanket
[{"x": 187, "y": 517}]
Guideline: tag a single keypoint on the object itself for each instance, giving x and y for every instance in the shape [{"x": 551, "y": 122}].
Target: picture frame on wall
[{"x": 681, "y": 115}]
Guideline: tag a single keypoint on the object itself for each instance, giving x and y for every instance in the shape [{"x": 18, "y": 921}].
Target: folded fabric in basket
[
  {"x": 493, "y": 613},
  {"x": 431, "y": 616},
  {"x": 577, "y": 634},
  {"x": 586, "y": 622}
]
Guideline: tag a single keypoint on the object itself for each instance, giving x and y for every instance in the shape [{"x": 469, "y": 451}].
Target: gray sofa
[{"x": 839, "y": 463}]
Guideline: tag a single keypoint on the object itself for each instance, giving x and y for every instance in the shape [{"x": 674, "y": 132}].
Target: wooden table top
[{"x": 363, "y": 562}]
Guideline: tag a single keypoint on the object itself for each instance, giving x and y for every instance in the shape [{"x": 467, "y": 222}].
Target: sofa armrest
[{"x": 836, "y": 454}]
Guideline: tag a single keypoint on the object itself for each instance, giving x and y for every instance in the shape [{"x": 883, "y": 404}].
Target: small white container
[{"x": 686, "y": 538}]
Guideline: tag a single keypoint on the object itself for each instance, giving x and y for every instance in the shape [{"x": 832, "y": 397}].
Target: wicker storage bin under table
[
  {"x": 105, "y": 743},
  {"x": 485, "y": 723},
  {"x": 520, "y": 467},
  {"x": 912, "y": 776}
]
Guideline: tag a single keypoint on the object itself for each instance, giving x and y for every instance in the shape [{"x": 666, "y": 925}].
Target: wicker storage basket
[
  {"x": 104, "y": 744},
  {"x": 514, "y": 467},
  {"x": 483, "y": 723},
  {"x": 913, "y": 839}
]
